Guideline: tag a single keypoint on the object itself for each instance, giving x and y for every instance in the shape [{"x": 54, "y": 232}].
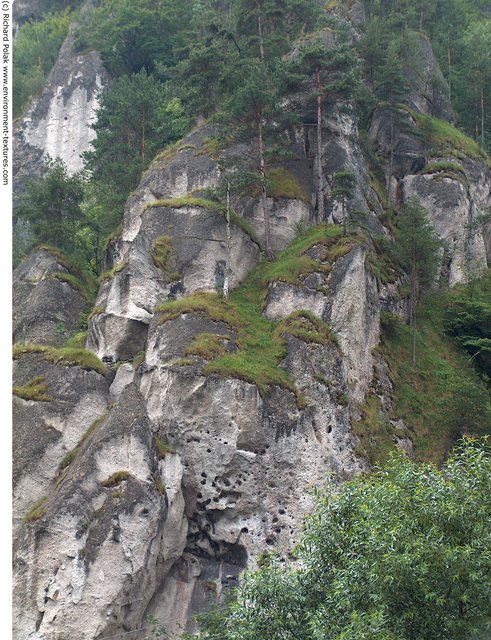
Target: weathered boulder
[
  {"x": 46, "y": 304},
  {"x": 50, "y": 425},
  {"x": 455, "y": 200},
  {"x": 111, "y": 510}
]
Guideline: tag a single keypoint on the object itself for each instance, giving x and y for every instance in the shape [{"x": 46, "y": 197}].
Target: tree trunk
[
  {"x": 142, "y": 146},
  {"x": 260, "y": 31},
  {"x": 320, "y": 191},
  {"x": 262, "y": 171},
  {"x": 412, "y": 314},
  {"x": 449, "y": 59},
  {"x": 482, "y": 116},
  {"x": 391, "y": 157},
  {"x": 226, "y": 283}
]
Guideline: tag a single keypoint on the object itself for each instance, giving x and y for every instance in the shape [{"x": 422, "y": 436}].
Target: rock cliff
[
  {"x": 58, "y": 122},
  {"x": 152, "y": 482}
]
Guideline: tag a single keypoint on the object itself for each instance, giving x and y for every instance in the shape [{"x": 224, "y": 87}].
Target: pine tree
[
  {"x": 417, "y": 251},
  {"x": 334, "y": 71}
]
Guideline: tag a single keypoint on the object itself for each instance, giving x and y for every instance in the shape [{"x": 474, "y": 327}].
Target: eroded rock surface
[
  {"x": 46, "y": 308},
  {"x": 58, "y": 122},
  {"x": 191, "y": 476}
]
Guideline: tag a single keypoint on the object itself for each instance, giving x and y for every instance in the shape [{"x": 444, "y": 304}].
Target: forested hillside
[{"x": 252, "y": 243}]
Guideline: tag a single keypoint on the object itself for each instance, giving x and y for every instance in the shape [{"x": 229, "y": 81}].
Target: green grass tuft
[
  {"x": 306, "y": 326},
  {"x": 443, "y": 165},
  {"x": 67, "y": 460},
  {"x": 37, "y": 511},
  {"x": 446, "y": 139},
  {"x": 67, "y": 356},
  {"x": 163, "y": 448},
  {"x": 283, "y": 183},
  {"x": 35, "y": 389},
  {"x": 207, "y": 345},
  {"x": 110, "y": 273},
  {"x": 210, "y": 304},
  {"x": 116, "y": 478},
  {"x": 164, "y": 257},
  {"x": 77, "y": 341},
  {"x": 260, "y": 344},
  {"x": 95, "y": 312},
  {"x": 183, "y": 362}
]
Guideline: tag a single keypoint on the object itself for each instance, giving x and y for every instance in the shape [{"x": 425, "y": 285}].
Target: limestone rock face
[
  {"x": 238, "y": 451},
  {"x": 455, "y": 203},
  {"x": 112, "y": 511},
  {"x": 46, "y": 308},
  {"x": 58, "y": 122},
  {"x": 348, "y": 301},
  {"x": 46, "y": 431},
  {"x": 178, "y": 479}
]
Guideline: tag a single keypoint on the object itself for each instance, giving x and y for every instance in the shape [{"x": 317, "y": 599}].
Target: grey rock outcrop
[
  {"x": 176, "y": 478},
  {"x": 46, "y": 431},
  {"x": 58, "y": 122},
  {"x": 46, "y": 308}
]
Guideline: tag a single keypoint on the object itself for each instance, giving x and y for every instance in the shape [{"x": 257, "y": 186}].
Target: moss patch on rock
[
  {"x": 66, "y": 356},
  {"x": 37, "y": 511},
  {"x": 35, "y": 390},
  {"x": 260, "y": 342},
  {"x": 207, "y": 345},
  {"x": 165, "y": 257},
  {"x": 115, "y": 479},
  {"x": 306, "y": 326}
]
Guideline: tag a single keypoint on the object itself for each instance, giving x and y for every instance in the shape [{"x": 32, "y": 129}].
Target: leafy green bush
[{"x": 400, "y": 555}]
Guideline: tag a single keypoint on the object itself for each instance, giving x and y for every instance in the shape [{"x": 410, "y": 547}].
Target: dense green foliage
[
  {"x": 400, "y": 555},
  {"x": 36, "y": 48},
  {"x": 460, "y": 32},
  {"x": 416, "y": 249},
  {"x": 54, "y": 206},
  {"x": 468, "y": 319},
  {"x": 440, "y": 397}
]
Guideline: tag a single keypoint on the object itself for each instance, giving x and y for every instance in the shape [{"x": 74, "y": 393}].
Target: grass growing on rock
[
  {"x": 37, "y": 511},
  {"x": 110, "y": 273},
  {"x": 165, "y": 257},
  {"x": 445, "y": 138},
  {"x": 163, "y": 448},
  {"x": 306, "y": 326},
  {"x": 191, "y": 200},
  {"x": 67, "y": 356},
  {"x": 35, "y": 389},
  {"x": 444, "y": 165},
  {"x": 438, "y": 399},
  {"x": 116, "y": 478},
  {"x": 207, "y": 345},
  {"x": 260, "y": 343}
]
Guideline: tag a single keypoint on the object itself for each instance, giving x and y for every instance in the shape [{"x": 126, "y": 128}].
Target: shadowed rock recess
[{"x": 151, "y": 468}]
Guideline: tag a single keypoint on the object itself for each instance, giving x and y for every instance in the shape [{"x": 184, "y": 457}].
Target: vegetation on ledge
[
  {"x": 260, "y": 342},
  {"x": 67, "y": 356},
  {"x": 35, "y": 389},
  {"x": 438, "y": 399},
  {"x": 37, "y": 511},
  {"x": 116, "y": 478}
]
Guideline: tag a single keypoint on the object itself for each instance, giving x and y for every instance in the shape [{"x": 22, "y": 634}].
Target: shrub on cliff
[{"x": 403, "y": 554}]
